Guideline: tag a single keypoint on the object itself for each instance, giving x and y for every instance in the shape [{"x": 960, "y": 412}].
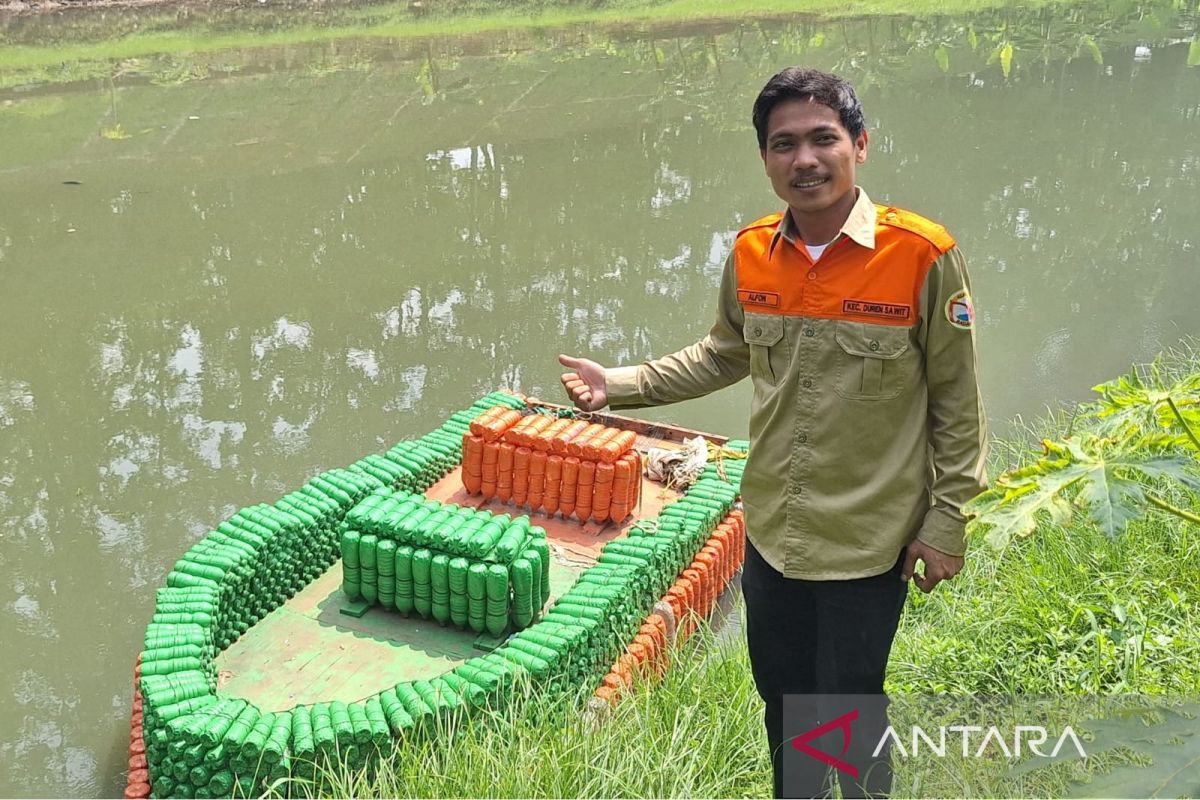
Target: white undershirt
[{"x": 815, "y": 250}]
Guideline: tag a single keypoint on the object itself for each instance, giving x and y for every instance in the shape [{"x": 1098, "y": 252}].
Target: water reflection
[{"x": 293, "y": 260}]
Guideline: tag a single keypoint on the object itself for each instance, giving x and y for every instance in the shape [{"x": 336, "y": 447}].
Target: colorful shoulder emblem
[{"x": 959, "y": 311}]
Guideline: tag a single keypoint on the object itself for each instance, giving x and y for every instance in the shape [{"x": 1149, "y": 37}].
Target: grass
[
  {"x": 697, "y": 734},
  {"x": 1066, "y": 615}
]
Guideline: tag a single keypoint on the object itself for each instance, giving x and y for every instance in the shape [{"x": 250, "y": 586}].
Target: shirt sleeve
[
  {"x": 719, "y": 359},
  {"x": 958, "y": 433}
]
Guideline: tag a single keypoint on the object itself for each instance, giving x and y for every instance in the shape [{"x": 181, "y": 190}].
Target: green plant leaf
[
  {"x": 972, "y": 39},
  {"x": 1193, "y": 58},
  {"x": 1142, "y": 403},
  {"x": 817, "y": 39},
  {"x": 1006, "y": 57},
  {"x": 942, "y": 56},
  {"x": 1105, "y": 477},
  {"x": 1090, "y": 45}
]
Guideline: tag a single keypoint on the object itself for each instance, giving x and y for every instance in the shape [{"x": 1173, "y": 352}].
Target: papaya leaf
[
  {"x": 1106, "y": 478},
  {"x": 942, "y": 56},
  {"x": 1146, "y": 403}
]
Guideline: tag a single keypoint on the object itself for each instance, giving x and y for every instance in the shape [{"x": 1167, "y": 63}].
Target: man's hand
[
  {"x": 938, "y": 566},
  {"x": 586, "y": 385}
]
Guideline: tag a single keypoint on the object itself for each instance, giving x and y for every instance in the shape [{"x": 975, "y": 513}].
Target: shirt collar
[{"x": 859, "y": 225}]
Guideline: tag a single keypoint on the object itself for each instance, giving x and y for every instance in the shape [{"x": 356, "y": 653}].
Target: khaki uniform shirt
[{"x": 866, "y": 424}]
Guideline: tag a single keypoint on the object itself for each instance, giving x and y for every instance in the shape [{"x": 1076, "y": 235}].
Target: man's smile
[{"x": 809, "y": 183}]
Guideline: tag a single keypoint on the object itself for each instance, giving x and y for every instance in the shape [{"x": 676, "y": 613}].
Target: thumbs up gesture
[{"x": 585, "y": 383}]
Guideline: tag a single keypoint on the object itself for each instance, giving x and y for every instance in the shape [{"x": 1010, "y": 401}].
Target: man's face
[{"x": 811, "y": 158}]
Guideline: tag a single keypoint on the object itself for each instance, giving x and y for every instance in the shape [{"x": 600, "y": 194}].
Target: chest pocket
[
  {"x": 768, "y": 349},
  {"x": 874, "y": 362}
]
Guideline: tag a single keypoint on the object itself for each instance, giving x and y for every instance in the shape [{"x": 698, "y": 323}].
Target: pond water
[{"x": 224, "y": 271}]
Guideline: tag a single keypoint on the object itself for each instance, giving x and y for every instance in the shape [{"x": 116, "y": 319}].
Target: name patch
[
  {"x": 872, "y": 309},
  {"x": 756, "y": 298}
]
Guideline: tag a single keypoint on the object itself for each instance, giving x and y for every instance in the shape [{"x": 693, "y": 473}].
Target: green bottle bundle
[
  {"x": 399, "y": 720},
  {"x": 303, "y": 747},
  {"x": 367, "y": 560},
  {"x": 386, "y": 568},
  {"x": 351, "y": 566},
  {"x": 497, "y": 609},
  {"x": 376, "y": 722},
  {"x": 421, "y": 712},
  {"x": 439, "y": 582},
  {"x": 521, "y": 574},
  {"x": 405, "y": 589},
  {"x": 422, "y": 588},
  {"x": 477, "y": 596},
  {"x": 457, "y": 569}
]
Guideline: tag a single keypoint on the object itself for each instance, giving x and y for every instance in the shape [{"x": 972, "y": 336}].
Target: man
[{"x": 855, "y": 324}]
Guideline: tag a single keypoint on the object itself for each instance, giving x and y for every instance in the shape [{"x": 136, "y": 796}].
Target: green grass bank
[{"x": 75, "y": 35}]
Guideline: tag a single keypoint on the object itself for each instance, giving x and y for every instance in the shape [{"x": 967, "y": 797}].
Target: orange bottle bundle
[
  {"x": 660, "y": 624},
  {"x": 695, "y": 593},
  {"x": 523, "y": 435},
  {"x": 640, "y": 659},
  {"x": 708, "y": 579},
  {"x": 516, "y": 434},
  {"x": 625, "y": 472},
  {"x": 735, "y": 541},
  {"x": 608, "y": 694},
  {"x": 715, "y": 554},
  {"x": 576, "y": 445},
  {"x": 677, "y": 598},
  {"x": 602, "y": 492},
  {"x": 553, "y": 493},
  {"x": 617, "y": 445},
  {"x": 627, "y": 667},
  {"x": 583, "y": 492},
  {"x": 521, "y": 475},
  {"x": 481, "y": 422},
  {"x": 472, "y": 470},
  {"x": 504, "y": 471},
  {"x": 491, "y": 425},
  {"x": 491, "y": 457},
  {"x": 570, "y": 485},
  {"x": 613, "y": 681},
  {"x": 559, "y": 443},
  {"x": 724, "y": 535},
  {"x": 545, "y": 438},
  {"x": 591, "y": 449},
  {"x": 537, "y": 479}
]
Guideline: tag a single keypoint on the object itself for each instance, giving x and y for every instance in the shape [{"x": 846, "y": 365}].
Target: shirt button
[
  {"x": 758, "y": 331},
  {"x": 807, "y": 383},
  {"x": 812, "y": 276},
  {"x": 874, "y": 345},
  {"x": 802, "y": 438},
  {"x": 809, "y": 332}
]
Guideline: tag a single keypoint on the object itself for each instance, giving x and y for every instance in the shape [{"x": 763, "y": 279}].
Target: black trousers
[{"x": 822, "y": 638}]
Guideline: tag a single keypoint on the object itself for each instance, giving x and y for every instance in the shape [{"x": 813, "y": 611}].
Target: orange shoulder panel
[
  {"x": 769, "y": 221},
  {"x": 928, "y": 230}
]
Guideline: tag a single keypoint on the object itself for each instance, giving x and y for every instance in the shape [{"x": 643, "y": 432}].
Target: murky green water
[{"x": 223, "y": 273}]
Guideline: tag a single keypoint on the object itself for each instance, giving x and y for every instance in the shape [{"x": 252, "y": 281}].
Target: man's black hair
[{"x": 800, "y": 83}]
